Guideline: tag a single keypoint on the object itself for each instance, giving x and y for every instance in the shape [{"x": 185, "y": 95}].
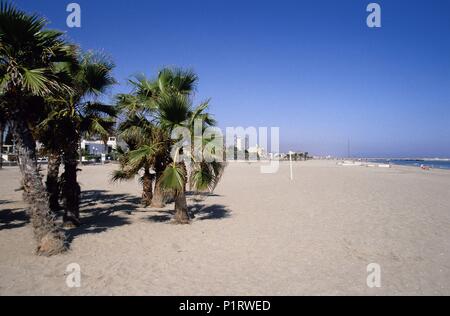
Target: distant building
[
  {"x": 257, "y": 150},
  {"x": 8, "y": 153},
  {"x": 239, "y": 144},
  {"x": 98, "y": 147}
]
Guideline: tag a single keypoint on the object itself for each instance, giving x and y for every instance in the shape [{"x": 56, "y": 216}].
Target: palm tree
[
  {"x": 70, "y": 118},
  {"x": 80, "y": 115},
  {"x": 148, "y": 143},
  {"x": 141, "y": 138},
  {"x": 50, "y": 133},
  {"x": 175, "y": 81},
  {"x": 28, "y": 55},
  {"x": 174, "y": 111}
]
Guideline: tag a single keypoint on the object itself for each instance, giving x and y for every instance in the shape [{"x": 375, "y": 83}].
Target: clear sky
[{"x": 313, "y": 67}]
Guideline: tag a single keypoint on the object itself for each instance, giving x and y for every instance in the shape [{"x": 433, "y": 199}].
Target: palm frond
[
  {"x": 173, "y": 178},
  {"x": 143, "y": 155},
  {"x": 177, "y": 81},
  {"x": 121, "y": 175},
  {"x": 29, "y": 53},
  {"x": 206, "y": 175},
  {"x": 202, "y": 177},
  {"x": 100, "y": 109},
  {"x": 96, "y": 126},
  {"x": 173, "y": 110},
  {"x": 37, "y": 82}
]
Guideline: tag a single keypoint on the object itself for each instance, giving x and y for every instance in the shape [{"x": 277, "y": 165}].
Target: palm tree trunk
[
  {"x": 1, "y": 146},
  {"x": 54, "y": 162},
  {"x": 159, "y": 197},
  {"x": 147, "y": 192},
  {"x": 50, "y": 239},
  {"x": 70, "y": 188},
  {"x": 80, "y": 153},
  {"x": 181, "y": 209}
]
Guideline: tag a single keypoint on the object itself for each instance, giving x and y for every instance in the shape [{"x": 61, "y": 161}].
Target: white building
[
  {"x": 7, "y": 153},
  {"x": 257, "y": 150},
  {"x": 239, "y": 144},
  {"x": 97, "y": 147}
]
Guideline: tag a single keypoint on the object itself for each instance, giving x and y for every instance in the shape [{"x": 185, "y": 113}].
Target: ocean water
[{"x": 436, "y": 164}]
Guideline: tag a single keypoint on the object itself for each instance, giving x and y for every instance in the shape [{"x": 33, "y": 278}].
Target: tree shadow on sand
[
  {"x": 100, "y": 211},
  {"x": 209, "y": 212},
  {"x": 162, "y": 217},
  {"x": 198, "y": 211},
  {"x": 13, "y": 218}
]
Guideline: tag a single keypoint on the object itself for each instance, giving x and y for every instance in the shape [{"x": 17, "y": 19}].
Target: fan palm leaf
[
  {"x": 173, "y": 178},
  {"x": 173, "y": 110},
  {"x": 141, "y": 156}
]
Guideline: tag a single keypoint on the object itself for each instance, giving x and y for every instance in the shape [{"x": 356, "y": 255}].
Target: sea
[{"x": 432, "y": 163}]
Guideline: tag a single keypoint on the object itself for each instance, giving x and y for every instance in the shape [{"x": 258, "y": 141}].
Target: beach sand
[{"x": 257, "y": 235}]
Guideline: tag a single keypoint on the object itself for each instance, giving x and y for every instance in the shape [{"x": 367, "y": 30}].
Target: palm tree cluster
[
  {"x": 150, "y": 114},
  {"x": 48, "y": 93},
  {"x": 51, "y": 92}
]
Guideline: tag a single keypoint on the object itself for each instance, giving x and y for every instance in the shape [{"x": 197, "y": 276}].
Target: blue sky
[{"x": 313, "y": 68}]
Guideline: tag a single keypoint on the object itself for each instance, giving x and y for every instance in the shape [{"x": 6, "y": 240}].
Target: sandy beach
[{"x": 257, "y": 235}]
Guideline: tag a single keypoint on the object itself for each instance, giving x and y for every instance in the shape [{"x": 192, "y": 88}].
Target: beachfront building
[
  {"x": 257, "y": 151},
  {"x": 242, "y": 144},
  {"x": 98, "y": 147},
  {"x": 240, "y": 150},
  {"x": 8, "y": 153},
  {"x": 239, "y": 144},
  {"x": 296, "y": 156},
  {"x": 246, "y": 151}
]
